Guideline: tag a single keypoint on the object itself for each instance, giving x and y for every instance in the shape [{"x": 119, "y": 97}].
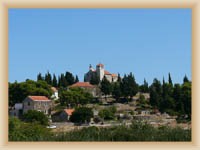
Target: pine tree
[{"x": 144, "y": 88}]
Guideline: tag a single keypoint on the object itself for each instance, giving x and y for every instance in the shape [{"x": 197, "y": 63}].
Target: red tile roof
[
  {"x": 82, "y": 84},
  {"x": 114, "y": 75},
  {"x": 106, "y": 72},
  {"x": 69, "y": 111},
  {"x": 100, "y": 65},
  {"x": 38, "y": 98},
  {"x": 54, "y": 89}
]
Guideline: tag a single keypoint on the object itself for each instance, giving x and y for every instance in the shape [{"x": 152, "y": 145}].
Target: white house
[
  {"x": 16, "y": 111},
  {"x": 55, "y": 93}
]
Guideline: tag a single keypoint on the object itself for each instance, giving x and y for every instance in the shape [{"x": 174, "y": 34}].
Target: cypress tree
[
  {"x": 169, "y": 79},
  {"x": 106, "y": 86},
  {"x": 76, "y": 79},
  {"x": 39, "y": 77},
  {"x": 55, "y": 83},
  {"x": 185, "y": 79}
]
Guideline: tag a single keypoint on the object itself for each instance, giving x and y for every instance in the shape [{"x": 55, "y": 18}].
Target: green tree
[
  {"x": 82, "y": 115},
  {"x": 19, "y": 91},
  {"x": 155, "y": 93},
  {"x": 185, "y": 79},
  {"x": 169, "y": 79},
  {"x": 186, "y": 97},
  {"x": 20, "y": 131},
  {"x": 48, "y": 78},
  {"x": 54, "y": 82},
  {"x": 106, "y": 87},
  {"x": 116, "y": 92},
  {"x": 69, "y": 78},
  {"x": 75, "y": 96},
  {"x": 119, "y": 79},
  {"x": 36, "y": 116},
  {"x": 76, "y": 79},
  {"x": 39, "y": 77},
  {"x": 129, "y": 86},
  {"x": 144, "y": 88},
  {"x": 167, "y": 103},
  {"x": 177, "y": 97},
  {"x": 63, "y": 81},
  {"x": 108, "y": 113},
  {"x": 94, "y": 79}
]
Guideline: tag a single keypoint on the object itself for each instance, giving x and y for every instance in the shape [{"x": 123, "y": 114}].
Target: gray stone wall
[{"x": 42, "y": 106}]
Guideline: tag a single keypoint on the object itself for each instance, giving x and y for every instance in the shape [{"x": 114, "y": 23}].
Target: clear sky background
[{"x": 150, "y": 43}]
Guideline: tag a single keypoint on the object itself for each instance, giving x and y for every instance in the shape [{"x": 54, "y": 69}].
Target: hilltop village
[{"x": 104, "y": 99}]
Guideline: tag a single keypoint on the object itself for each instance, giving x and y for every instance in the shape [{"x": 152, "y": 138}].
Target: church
[{"x": 100, "y": 72}]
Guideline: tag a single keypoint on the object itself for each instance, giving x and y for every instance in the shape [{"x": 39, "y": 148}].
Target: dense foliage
[
  {"x": 136, "y": 132},
  {"x": 173, "y": 99},
  {"x": 19, "y": 131},
  {"x": 63, "y": 80},
  {"x": 108, "y": 113},
  {"x": 82, "y": 115},
  {"x": 106, "y": 87},
  {"x": 75, "y": 96},
  {"x": 94, "y": 79},
  {"x": 35, "y": 116},
  {"x": 19, "y": 91}
]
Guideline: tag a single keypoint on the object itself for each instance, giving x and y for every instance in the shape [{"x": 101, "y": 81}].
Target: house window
[{"x": 29, "y": 104}]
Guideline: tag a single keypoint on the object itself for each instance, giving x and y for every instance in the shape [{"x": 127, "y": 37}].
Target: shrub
[
  {"x": 82, "y": 115},
  {"x": 36, "y": 116},
  {"x": 20, "y": 131}
]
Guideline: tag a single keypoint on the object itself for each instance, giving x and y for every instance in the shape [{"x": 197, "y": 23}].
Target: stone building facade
[
  {"x": 39, "y": 103},
  {"x": 100, "y": 72}
]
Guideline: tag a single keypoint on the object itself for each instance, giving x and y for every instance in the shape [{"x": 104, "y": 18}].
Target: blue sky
[{"x": 148, "y": 42}]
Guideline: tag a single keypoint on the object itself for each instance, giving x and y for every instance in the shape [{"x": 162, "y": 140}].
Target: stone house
[
  {"x": 66, "y": 114},
  {"x": 62, "y": 116},
  {"x": 39, "y": 103},
  {"x": 92, "y": 89}
]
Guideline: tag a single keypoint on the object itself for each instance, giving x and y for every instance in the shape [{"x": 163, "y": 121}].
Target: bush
[
  {"x": 36, "y": 116},
  {"x": 82, "y": 115},
  {"x": 108, "y": 113},
  {"x": 20, "y": 131}
]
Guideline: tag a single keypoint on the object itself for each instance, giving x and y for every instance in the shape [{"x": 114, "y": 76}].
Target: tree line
[
  {"x": 172, "y": 98},
  {"x": 63, "y": 80},
  {"x": 167, "y": 97},
  {"x": 19, "y": 91}
]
